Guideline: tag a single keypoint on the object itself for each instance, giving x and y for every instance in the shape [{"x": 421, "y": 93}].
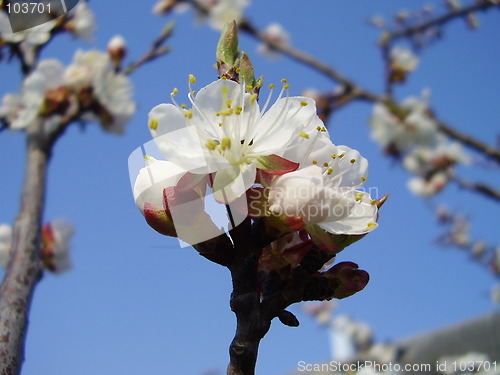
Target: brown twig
[
  {"x": 493, "y": 153},
  {"x": 358, "y": 93},
  {"x": 156, "y": 50},
  {"x": 438, "y": 21},
  {"x": 477, "y": 187},
  {"x": 23, "y": 271}
]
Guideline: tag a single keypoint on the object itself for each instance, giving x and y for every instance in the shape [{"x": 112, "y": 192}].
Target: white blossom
[
  {"x": 217, "y": 12},
  {"x": 442, "y": 156},
  {"x": 94, "y": 69},
  {"x": 114, "y": 93},
  {"x": 225, "y": 11},
  {"x": 402, "y": 59},
  {"x": 116, "y": 43},
  {"x": 427, "y": 187},
  {"x": 226, "y": 133},
  {"x": 82, "y": 22},
  {"x": 47, "y": 76},
  {"x": 400, "y": 131},
  {"x": 11, "y": 105},
  {"x": 324, "y": 190},
  {"x": 5, "y": 244},
  {"x": 152, "y": 180},
  {"x": 86, "y": 69},
  {"x": 277, "y": 34}
]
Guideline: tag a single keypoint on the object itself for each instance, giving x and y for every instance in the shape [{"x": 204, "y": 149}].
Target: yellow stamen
[
  {"x": 225, "y": 143},
  {"x": 359, "y": 196},
  {"x": 271, "y": 86},
  {"x": 371, "y": 225},
  {"x": 192, "y": 79},
  {"x": 303, "y": 104},
  {"x": 373, "y": 202},
  {"x": 284, "y": 80},
  {"x": 304, "y": 135},
  {"x": 329, "y": 171},
  {"x": 315, "y": 162},
  {"x": 153, "y": 123},
  {"x": 175, "y": 91},
  {"x": 353, "y": 161},
  {"x": 253, "y": 99},
  {"x": 189, "y": 114},
  {"x": 286, "y": 87},
  {"x": 325, "y": 164},
  {"x": 363, "y": 179},
  {"x": 183, "y": 106},
  {"x": 211, "y": 144}
]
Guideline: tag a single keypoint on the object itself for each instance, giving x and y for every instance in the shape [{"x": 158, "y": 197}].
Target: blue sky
[{"x": 136, "y": 303}]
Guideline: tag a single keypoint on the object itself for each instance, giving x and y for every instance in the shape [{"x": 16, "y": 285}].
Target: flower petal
[
  {"x": 362, "y": 218},
  {"x": 180, "y": 143},
  {"x": 152, "y": 180},
  {"x": 231, "y": 183},
  {"x": 284, "y": 120}
]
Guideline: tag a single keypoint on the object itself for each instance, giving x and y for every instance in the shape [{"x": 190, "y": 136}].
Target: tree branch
[
  {"x": 470, "y": 141},
  {"x": 245, "y": 303},
  {"x": 156, "y": 50},
  {"x": 24, "y": 269},
  {"x": 477, "y": 187},
  {"x": 438, "y": 21}
]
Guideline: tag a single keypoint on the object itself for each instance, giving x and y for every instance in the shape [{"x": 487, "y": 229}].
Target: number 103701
[
  {"x": 28, "y": 8},
  {"x": 474, "y": 366}
]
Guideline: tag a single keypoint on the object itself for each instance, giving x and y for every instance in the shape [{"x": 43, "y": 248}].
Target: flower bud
[
  {"x": 228, "y": 51},
  {"x": 54, "y": 252},
  {"x": 117, "y": 49}
]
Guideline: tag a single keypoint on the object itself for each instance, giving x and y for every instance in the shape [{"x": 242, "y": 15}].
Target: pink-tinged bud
[
  {"x": 55, "y": 246},
  {"x": 117, "y": 49},
  {"x": 294, "y": 222},
  {"x": 351, "y": 279},
  {"x": 159, "y": 220}
]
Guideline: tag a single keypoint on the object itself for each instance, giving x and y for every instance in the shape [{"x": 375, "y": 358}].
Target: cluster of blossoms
[
  {"x": 410, "y": 132},
  {"x": 280, "y": 161},
  {"x": 55, "y": 246},
  {"x": 402, "y": 61},
  {"x": 79, "y": 22},
  {"x": 231, "y": 160},
  {"x": 216, "y": 13},
  {"x": 89, "y": 87},
  {"x": 458, "y": 234}
]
